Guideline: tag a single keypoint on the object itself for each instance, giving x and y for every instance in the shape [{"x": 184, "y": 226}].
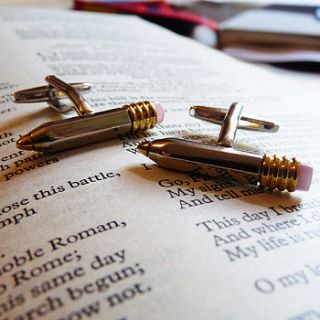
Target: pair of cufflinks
[{"x": 219, "y": 161}]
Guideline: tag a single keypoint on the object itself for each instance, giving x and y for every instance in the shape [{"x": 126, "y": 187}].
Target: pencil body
[
  {"x": 85, "y": 129},
  {"x": 206, "y": 160},
  {"x": 73, "y": 132}
]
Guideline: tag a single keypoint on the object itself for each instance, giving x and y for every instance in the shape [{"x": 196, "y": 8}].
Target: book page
[{"x": 101, "y": 232}]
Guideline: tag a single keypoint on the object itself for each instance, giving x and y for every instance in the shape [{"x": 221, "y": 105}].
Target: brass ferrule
[
  {"x": 279, "y": 173},
  {"x": 143, "y": 115}
]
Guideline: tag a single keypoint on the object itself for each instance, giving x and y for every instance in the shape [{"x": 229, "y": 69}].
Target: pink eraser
[
  {"x": 305, "y": 177},
  {"x": 160, "y": 112}
]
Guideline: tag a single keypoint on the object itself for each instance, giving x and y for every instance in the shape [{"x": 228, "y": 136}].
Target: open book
[
  {"x": 271, "y": 36},
  {"x": 100, "y": 232}
]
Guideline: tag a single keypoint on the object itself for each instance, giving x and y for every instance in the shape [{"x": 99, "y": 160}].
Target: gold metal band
[
  {"x": 279, "y": 173},
  {"x": 143, "y": 115}
]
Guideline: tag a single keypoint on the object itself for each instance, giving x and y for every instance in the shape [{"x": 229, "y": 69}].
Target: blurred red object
[{"x": 159, "y": 12}]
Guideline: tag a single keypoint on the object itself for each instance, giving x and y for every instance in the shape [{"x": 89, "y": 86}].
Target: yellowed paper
[{"x": 101, "y": 232}]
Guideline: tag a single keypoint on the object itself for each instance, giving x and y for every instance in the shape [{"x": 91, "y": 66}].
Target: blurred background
[{"x": 281, "y": 35}]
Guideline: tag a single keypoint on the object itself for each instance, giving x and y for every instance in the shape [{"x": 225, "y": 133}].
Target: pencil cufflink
[
  {"x": 223, "y": 160},
  {"x": 89, "y": 126}
]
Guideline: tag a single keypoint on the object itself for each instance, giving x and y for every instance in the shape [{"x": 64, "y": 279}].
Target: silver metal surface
[
  {"x": 230, "y": 125},
  {"x": 82, "y": 107},
  {"x": 217, "y": 116},
  {"x": 50, "y": 94},
  {"x": 197, "y": 158},
  {"x": 73, "y": 132}
]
